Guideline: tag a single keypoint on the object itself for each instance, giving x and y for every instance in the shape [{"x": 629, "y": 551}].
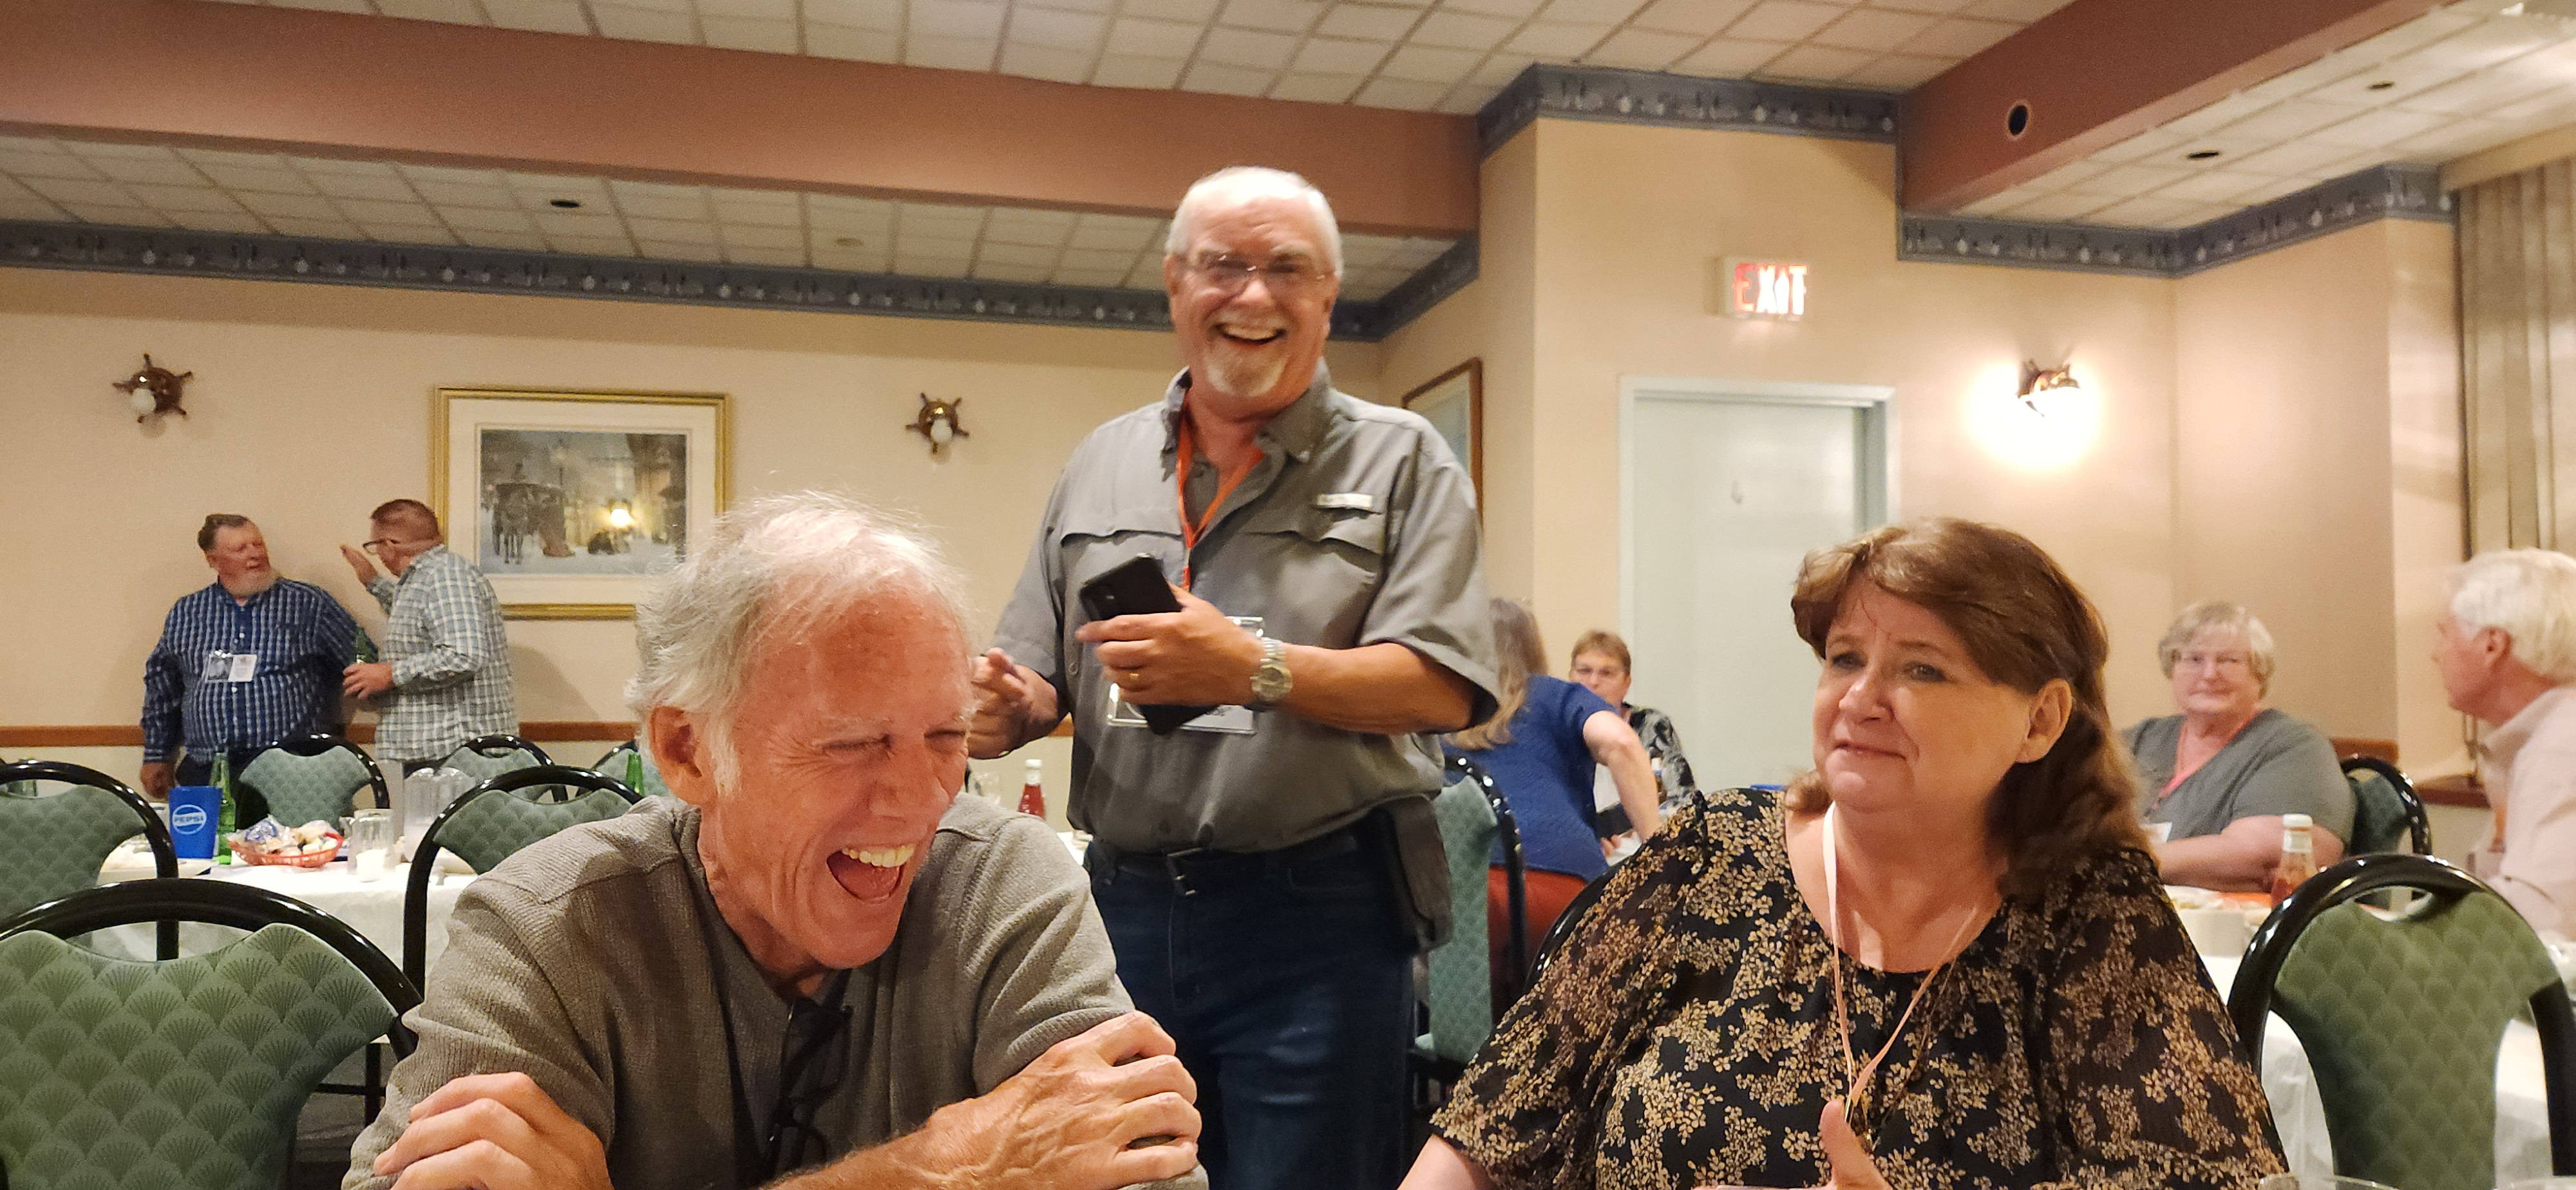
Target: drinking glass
[{"x": 369, "y": 830}]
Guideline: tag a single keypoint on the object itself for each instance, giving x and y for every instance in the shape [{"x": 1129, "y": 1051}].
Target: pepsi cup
[{"x": 192, "y": 820}]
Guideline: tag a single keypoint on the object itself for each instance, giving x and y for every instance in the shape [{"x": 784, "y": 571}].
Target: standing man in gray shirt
[
  {"x": 447, "y": 659},
  {"x": 1323, "y": 552}
]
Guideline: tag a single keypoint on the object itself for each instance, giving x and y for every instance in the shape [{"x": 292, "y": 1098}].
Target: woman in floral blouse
[{"x": 1942, "y": 959}]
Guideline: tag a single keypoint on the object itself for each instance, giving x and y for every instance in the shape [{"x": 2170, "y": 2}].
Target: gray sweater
[{"x": 583, "y": 961}]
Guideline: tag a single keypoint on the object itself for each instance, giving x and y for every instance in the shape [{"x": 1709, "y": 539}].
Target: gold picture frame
[
  {"x": 1454, "y": 403},
  {"x": 518, "y": 476}
]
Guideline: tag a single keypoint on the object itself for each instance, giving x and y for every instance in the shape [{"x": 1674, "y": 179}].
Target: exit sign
[{"x": 1775, "y": 289}]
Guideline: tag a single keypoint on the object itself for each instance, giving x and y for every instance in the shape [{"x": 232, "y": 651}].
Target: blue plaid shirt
[{"x": 302, "y": 638}]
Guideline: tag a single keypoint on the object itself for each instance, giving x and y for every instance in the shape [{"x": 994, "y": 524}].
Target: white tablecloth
[
  {"x": 372, "y": 907},
  {"x": 2522, "y": 1098}
]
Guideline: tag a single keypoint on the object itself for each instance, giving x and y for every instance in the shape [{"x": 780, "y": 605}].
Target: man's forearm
[{"x": 1381, "y": 689}]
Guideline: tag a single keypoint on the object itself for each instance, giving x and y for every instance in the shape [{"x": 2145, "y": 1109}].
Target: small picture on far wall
[
  {"x": 1454, "y": 403},
  {"x": 570, "y": 501}
]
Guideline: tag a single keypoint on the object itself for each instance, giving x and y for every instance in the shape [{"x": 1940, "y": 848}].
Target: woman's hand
[{"x": 1845, "y": 1156}]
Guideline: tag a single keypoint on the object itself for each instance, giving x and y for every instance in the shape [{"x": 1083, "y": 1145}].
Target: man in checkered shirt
[{"x": 445, "y": 676}]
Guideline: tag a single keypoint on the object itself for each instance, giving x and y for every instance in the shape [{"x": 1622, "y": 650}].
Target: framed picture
[
  {"x": 568, "y": 501},
  {"x": 1454, "y": 403}
]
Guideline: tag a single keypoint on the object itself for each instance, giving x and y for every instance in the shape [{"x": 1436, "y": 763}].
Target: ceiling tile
[
  {"x": 1994, "y": 205},
  {"x": 1399, "y": 93},
  {"x": 1783, "y": 20},
  {"x": 1815, "y": 63},
  {"x": 2057, "y": 208},
  {"x": 1136, "y": 70},
  {"x": 1043, "y": 62},
  {"x": 665, "y": 250},
  {"x": 1642, "y": 49},
  {"x": 1089, "y": 278},
  {"x": 463, "y": 219},
  {"x": 2212, "y": 117},
  {"x": 205, "y": 157},
  {"x": 538, "y": 16},
  {"x": 852, "y": 261},
  {"x": 591, "y": 245},
  {"x": 315, "y": 167},
  {"x": 2021, "y": 11},
  {"x": 617, "y": 20},
  {"x": 1899, "y": 72},
  {"x": 29, "y": 206},
  {"x": 1873, "y": 29},
  {"x": 625, "y": 190},
  {"x": 290, "y": 206},
  {"x": 1500, "y": 8},
  {"x": 736, "y": 236},
  {"x": 330, "y": 229},
  {"x": 1335, "y": 57},
  {"x": 2129, "y": 181},
  {"x": 694, "y": 207},
  {"x": 949, "y": 53},
  {"x": 1017, "y": 254},
  {"x": 877, "y": 209},
  {"x": 826, "y": 222},
  {"x": 1170, "y": 10},
  {"x": 956, "y": 18},
  {"x": 1960, "y": 37},
  {"x": 1590, "y": 11},
  {"x": 274, "y": 181},
  {"x": 2288, "y": 120},
  {"x": 2378, "y": 129},
  {"x": 1014, "y": 274},
  {"x": 1158, "y": 39},
  {"x": 351, "y": 186},
  {"x": 1943, "y": 7},
  {"x": 1426, "y": 64},
  {"x": 1285, "y": 16},
  {"x": 1703, "y": 17},
  {"x": 359, "y": 7},
  {"x": 461, "y": 177},
  {"x": 70, "y": 191},
  {"x": 166, "y": 173},
  {"x": 884, "y": 16},
  {"x": 1099, "y": 260},
  {"x": 682, "y": 231},
  {"x": 406, "y": 233},
  {"x": 110, "y": 151},
  {"x": 543, "y": 189},
  {"x": 1110, "y": 232},
  {"x": 1023, "y": 229},
  {"x": 744, "y": 33},
  {"x": 1266, "y": 52},
  {"x": 1219, "y": 79},
  {"x": 734, "y": 211},
  {"x": 365, "y": 211},
  {"x": 454, "y": 12},
  {"x": 851, "y": 44},
  {"x": 2413, "y": 35},
  {"x": 46, "y": 165},
  {"x": 1725, "y": 57},
  {"x": 785, "y": 258},
  {"x": 2146, "y": 212},
  {"x": 38, "y": 144},
  {"x": 182, "y": 198},
  {"x": 1056, "y": 30},
  {"x": 1368, "y": 22},
  {"x": 2291, "y": 160},
  {"x": 1465, "y": 31},
  {"x": 772, "y": 9},
  {"x": 2214, "y": 185},
  {"x": 1499, "y": 69},
  {"x": 1553, "y": 39},
  {"x": 2152, "y": 142},
  {"x": 929, "y": 266},
  {"x": 1467, "y": 100},
  {"x": 1098, "y": 8}
]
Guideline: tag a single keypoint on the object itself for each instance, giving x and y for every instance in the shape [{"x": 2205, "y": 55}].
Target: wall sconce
[
  {"x": 937, "y": 422},
  {"x": 153, "y": 391},
  {"x": 2038, "y": 383}
]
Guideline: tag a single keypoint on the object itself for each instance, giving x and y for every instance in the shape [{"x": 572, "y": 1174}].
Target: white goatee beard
[{"x": 1235, "y": 372}]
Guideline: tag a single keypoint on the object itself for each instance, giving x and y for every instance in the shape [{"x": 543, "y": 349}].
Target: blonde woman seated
[
  {"x": 2218, "y": 777},
  {"x": 1940, "y": 959}
]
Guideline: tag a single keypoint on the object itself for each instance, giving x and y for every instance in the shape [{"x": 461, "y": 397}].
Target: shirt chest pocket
[
  {"x": 1093, "y": 542},
  {"x": 1321, "y": 557}
]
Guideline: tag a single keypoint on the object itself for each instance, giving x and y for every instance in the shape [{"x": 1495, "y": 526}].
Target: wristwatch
[{"x": 1270, "y": 679}]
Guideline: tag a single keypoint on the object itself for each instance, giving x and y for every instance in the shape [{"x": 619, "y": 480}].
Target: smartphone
[{"x": 1136, "y": 587}]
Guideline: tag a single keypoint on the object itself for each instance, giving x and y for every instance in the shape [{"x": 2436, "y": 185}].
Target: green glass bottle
[
  {"x": 223, "y": 779},
  {"x": 362, "y": 648},
  {"x": 635, "y": 770}
]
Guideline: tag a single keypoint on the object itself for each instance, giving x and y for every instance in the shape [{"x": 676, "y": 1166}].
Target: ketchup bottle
[
  {"x": 2298, "y": 856},
  {"x": 1033, "y": 792}
]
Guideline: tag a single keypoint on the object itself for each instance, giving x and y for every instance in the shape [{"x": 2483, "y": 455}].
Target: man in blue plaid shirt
[
  {"x": 445, "y": 677},
  {"x": 244, "y": 662}
]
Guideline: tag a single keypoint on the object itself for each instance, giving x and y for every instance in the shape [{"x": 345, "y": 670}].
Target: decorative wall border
[
  {"x": 1683, "y": 101},
  {"x": 165, "y": 252},
  {"x": 2381, "y": 192}
]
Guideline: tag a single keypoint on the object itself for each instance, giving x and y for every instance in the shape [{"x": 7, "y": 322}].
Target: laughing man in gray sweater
[{"x": 816, "y": 968}]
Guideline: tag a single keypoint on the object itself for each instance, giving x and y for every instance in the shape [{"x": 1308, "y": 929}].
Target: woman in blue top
[{"x": 1539, "y": 748}]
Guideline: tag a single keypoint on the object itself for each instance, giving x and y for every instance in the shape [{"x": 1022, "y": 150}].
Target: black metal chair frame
[
  {"x": 2419, "y": 827},
  {"x": 156, "y": 833},
  {"x": 498, "y": 742},
  {"x": 424, "y": 860},
  {"x": 319, "y": 743},
  {"x": 1515, "y": 875},
  {"x": 223, "y": 903},
  {"x": 2249, "y": 1000}
]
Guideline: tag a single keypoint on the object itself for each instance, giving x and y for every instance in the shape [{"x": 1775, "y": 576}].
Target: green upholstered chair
[
  {"x": 124, "y": 1075},
  {"x": 317, "y": 777},
  {"x": 616, "y": 763},
  {"x": 1472, "y": 816},
  {"x": 2401, "y": 1015},
  {"x": 490, "y": 823},
  {"x": 52, "y": 845},
  {"x": 487, "y": 756},
  {"x": 2386, "y": 814}
]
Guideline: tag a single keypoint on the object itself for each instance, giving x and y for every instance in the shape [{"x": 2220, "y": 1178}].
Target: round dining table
[{"x": 371, "y": 906}]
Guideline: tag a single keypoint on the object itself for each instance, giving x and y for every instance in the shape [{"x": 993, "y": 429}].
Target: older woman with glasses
[
  {"x": 1939, "y": 959},
  {"x": 2218, "y": 777}
]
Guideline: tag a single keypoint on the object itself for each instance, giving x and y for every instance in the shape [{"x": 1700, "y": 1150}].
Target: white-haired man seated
[
  {"x": 2506, "y": 647},
  {"x": 817, "y": 968}
]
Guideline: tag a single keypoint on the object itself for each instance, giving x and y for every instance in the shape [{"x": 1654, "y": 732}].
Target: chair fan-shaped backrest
[
  {"x": 51, "y": 846},
  {"x": 302, "y": 788},
  {"x": 1461, "y": 970}
]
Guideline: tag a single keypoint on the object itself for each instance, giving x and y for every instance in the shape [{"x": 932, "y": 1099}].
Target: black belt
[{"x": 1196, "y": 867}]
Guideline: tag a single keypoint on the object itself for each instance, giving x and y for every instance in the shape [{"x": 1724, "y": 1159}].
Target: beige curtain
[{"x": 2518, "y": 350}]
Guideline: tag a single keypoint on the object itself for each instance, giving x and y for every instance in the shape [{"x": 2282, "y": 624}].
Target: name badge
[
  {"x": 243, "y": 667},
  {"x": 1225, "y": 720},
  {"x": 218, "y": 667},
  {"x": 1347, "y": 501}
]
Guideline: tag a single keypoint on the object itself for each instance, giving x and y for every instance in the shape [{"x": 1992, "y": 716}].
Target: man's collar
[
  {"x": 2509, "y": 736},
  {"x": 225, "y": 593},
  {"x": 1296, "y": 430}
]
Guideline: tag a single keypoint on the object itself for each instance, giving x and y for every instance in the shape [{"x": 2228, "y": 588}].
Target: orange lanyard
[
  {"x": 1181, "y": 480},
  {"x": 1859, "y": 1073}
]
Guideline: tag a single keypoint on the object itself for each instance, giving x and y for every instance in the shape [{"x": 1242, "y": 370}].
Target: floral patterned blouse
[{"x": 1685, "y": 1037}]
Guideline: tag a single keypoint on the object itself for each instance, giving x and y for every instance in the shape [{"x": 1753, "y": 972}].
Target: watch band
[{"x": 1270, "y": 679}]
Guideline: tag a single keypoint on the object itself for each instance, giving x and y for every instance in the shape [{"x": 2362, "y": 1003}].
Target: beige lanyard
[{"x": 1858, "y": 1073}]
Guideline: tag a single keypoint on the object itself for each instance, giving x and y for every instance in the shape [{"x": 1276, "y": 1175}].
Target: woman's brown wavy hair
[{"x": 2025, "y": 624}]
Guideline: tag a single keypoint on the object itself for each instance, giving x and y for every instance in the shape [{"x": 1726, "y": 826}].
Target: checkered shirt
[
  {"x": 451, "y": 659},
  {"x": 302, "y": 638}
]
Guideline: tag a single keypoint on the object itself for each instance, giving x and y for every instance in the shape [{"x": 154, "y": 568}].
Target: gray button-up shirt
[{"x": 1358, "y": 527}]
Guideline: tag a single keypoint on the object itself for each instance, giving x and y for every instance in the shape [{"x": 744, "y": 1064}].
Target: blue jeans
[{"x": 1288, "y": 983}]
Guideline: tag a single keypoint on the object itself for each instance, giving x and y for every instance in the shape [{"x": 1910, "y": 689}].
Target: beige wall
[{"x": 311, "y": 405}]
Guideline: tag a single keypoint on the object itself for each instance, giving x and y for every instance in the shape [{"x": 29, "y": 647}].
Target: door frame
[{"x": 1876, "y": 403}]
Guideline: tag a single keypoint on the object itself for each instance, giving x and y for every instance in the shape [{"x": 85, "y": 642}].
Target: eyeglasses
[
  {"x": 1230, "y": 274},
  {"x": 814, "y": 1057},
  {"x": 2195, "y": 660}
]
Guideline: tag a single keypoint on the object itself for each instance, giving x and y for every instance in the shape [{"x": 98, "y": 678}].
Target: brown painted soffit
[
  {"x": 188, "y": 72},
  {"x": 2097, "y": 72}
]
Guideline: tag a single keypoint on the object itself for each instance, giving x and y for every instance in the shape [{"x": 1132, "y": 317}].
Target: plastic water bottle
[
  {"x": 223, "y": 779},
  {"x": 1033, "y": 791}
]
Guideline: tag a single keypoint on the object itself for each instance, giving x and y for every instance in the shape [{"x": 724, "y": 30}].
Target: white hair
[
  {"x": 2531, "y": 596},
  {"x": 1237, "y": 183},
  {"x": 768, "y": 572},
  {"x": 2213, "y": 615}
]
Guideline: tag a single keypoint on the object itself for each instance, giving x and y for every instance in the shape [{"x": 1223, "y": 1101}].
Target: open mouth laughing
[{"x": 871, "y": 873}]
